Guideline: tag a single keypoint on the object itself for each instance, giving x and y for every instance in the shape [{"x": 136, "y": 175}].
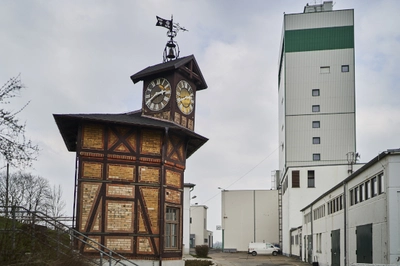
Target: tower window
[
  {"x": 172, "y": 225},
  {"x": 316, "y": 124},
  {"x": 325, "y": 70},
  {"x": 315, "y": 108},
  {"x": 316, "y": 157},
  {"x": 345, "y": 68},
  {"x": 315, "y": 92},
  {"x": 311, "y": 178},
  {"x": 316, "y": 140}
]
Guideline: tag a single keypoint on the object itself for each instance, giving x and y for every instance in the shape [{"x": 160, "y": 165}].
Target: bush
[{"x": 202, "y": 251}]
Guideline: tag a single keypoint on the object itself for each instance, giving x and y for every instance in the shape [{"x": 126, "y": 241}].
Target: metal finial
[{"x": 171, "y": 50}]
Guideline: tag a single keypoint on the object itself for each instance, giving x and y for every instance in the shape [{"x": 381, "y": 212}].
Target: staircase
[{"x": 34, "y": 230}]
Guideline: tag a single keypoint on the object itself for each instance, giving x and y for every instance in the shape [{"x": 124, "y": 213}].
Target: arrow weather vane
[{"x": 171, "y": 50}]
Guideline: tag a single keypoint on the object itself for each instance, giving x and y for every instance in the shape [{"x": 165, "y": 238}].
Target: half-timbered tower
[{"x": 130, "y": 166}]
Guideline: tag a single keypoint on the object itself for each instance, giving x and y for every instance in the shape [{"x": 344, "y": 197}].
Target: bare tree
[
  {"x": 16, "y": 149},
  {"x": 56, "y": 204}
]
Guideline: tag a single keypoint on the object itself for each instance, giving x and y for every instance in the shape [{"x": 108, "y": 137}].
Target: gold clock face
[
  {"x": 157, "y": 94},
  {"x": 184, "y": 97}
]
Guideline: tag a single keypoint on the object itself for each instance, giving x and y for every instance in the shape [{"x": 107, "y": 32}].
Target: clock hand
[{"x": 154, "y": 96}]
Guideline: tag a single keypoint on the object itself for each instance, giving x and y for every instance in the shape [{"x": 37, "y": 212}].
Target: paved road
[{"x": 243, "y": 259}]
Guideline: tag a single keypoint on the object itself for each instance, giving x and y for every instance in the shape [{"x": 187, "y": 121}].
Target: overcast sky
[{"x": 77, "y": 57}]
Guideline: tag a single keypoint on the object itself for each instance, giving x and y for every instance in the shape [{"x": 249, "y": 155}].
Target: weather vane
[{"x": 171, "y": 50}]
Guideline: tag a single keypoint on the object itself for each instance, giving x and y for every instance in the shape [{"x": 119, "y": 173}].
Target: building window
[
  {"x": 316, "y": 157},
  {"x": 316, "y": 124},
  {"x": 380, "y": 184},
  {"x": 351, "y": 198},
  {"x": 171, "y": 228},
  {"x": 316, "y": 140},
  {"x": 366, "y": 194},
  {"x": 373, "y": 187},
  {"x": 315, "y": 108},
  {"x": 295, "y": 178},
  {"x": 311, "y": 178},
  {"x": 345, "y": 68},
  {"x": 361, "y": 192},
  {"x": 315, "y": 92},
  {"x": 325, "y": 70},
  {"x": 356, "y": 195}
]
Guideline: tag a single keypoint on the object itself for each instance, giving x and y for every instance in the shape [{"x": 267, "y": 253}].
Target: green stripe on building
[{"x": 319, "y": 39}]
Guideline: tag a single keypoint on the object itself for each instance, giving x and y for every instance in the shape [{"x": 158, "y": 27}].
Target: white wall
[
  {"x": 249, "y": 216},
  {"x": 186, "y": 217},
  {"x": 198, "y": 227},
  {"x": 382, "y": 211}
]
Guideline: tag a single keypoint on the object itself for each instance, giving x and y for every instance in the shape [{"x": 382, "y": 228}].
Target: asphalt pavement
[{"x": 244, "y": 259}]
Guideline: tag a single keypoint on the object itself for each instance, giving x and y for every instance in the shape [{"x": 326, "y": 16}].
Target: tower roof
[
  {"x": 187, "y": 64},
  {"x": 68, "y": 124}
]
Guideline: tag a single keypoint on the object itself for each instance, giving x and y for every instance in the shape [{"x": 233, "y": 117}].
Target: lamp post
[{"x": 223, "y": 216}]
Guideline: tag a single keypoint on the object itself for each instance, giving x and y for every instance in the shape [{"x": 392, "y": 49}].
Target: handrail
[{"x": 103, "y": 250}]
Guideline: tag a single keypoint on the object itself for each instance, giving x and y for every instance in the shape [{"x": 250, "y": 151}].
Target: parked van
[{"x": 262, "y": 248}]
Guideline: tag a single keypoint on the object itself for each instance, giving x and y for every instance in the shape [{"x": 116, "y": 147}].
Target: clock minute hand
[{"x": 154, "y": 96}]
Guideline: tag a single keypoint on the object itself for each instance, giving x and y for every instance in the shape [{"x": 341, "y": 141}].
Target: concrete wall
[
  {"x": 249, "y": 216},
  {"x": 198, "y": 227}
]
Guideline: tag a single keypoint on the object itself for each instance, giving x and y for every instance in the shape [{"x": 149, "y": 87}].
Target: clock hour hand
[{"x": 184, "y": 98}]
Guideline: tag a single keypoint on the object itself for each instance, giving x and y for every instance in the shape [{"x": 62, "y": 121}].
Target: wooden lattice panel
[
  {"x": 144, "y": 245},
  {"x": 151, "y": 142},
  {"x": 112, "y": 139},
  {"x": 91, "y": 247},
  {"x": 151, "y": 200},
  {"x": 96, "y": 227},
  {"x": 119, "y": 216},
  {"x": 93, "y": 137},
  {"x": 121, "y": 172},
  {"x": 173, "y": 178},
  {"x": 120, "y": 191},
  {"x": 142, "y": 225},
  {"x": 119, "y": 244},
  {"x": 90, "y": 193},
  {"x": 132, "y": 141},
  {"x": 92, "y": 170},
  {"x": 173, "y": 196},
  {"x": 149, "y": 174}
]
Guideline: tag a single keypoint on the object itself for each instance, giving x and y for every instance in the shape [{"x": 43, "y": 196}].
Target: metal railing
[{"x": 61, "y": 237}]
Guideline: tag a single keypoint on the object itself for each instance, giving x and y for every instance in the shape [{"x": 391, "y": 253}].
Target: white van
[{"x": 262, "y": 248}]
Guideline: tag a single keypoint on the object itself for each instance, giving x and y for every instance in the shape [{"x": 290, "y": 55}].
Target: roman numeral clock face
[
  {"x": 185, "y": 97},
  {"x": 157, "y": 94}
]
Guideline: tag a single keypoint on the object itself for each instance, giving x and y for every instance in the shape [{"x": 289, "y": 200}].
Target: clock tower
[{"x": 169, "y": 90}]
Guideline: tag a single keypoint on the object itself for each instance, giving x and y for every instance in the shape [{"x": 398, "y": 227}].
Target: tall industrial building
[{"x": 317, "y": 122}]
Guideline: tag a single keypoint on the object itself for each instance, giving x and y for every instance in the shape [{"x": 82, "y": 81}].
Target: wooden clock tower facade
[{"x": 130, "y": 167}]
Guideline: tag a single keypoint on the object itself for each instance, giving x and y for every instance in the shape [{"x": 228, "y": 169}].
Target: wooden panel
[
  {"x": 121, "y": 172},
  {"x": 173, "y": 178},
  {"x": 97, "y": 225},
  {"x": 132, "y": 141},
  {"x": 112, "y": 138},
  {"x": 142, "y": 225},
  {"x": 92, "y": 170},
  {"x": 119, "y": 244},
  {"x": 149, "y": 174},
  {"x": 93, "y": 137},
  {"x": 88, "y": 248},
  {"x": 144, "y": 245},
  {"x": 151, "y": 142},
  {"x": 119, "y": 216},
  {"x": 120, "y": 191},
  {"x": 151, "y": 200},
  {"x": 173, "y": 196},
  {"x": 89, "y": 193}
]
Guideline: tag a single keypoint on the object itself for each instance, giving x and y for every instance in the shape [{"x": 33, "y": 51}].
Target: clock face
[
  {"x": 157, "y": 94},
  {"x": 184, "y": 97}
]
